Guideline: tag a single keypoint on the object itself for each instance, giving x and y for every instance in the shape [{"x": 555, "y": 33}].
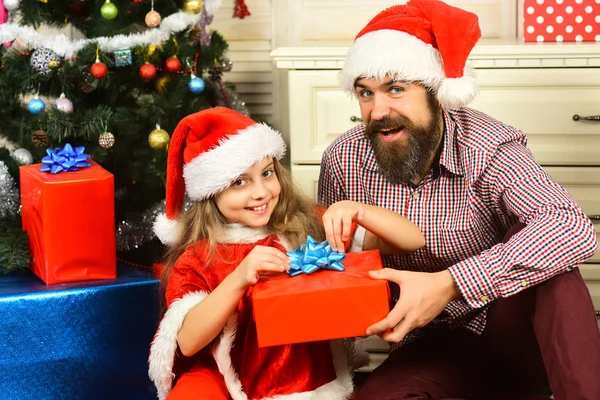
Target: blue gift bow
[
  {"x": 65, "y": 159},
  {"x": 313, "y": 256}
]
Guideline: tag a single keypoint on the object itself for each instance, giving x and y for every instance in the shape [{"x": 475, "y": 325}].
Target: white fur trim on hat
[
  {"x": 164, "y": 345},
  {"x": 169, "y": 231},
  {"x": 405, "y": 57},
  {"x": 454, "y": 93},
  {"x": 213, "y": 171}
]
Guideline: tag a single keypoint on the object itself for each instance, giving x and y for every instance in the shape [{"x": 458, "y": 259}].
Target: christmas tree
[{"x": 139, "y": 67}]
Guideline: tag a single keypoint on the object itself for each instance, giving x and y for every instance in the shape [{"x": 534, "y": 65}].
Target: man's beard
[{"x": 404, "y": 160}]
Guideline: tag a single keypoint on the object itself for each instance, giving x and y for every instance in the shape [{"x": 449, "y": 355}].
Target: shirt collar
[{"x": 449, "y": 156}]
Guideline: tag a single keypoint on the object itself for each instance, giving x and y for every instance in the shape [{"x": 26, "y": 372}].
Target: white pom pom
[
  {"x": 455, "y": 93},
  {"x": 167, "y": 230}
]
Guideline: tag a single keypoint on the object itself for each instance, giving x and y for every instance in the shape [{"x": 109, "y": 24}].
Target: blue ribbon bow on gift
[
  {"x": 313, "y": 256},
  {"x": 65, "y": 159}
]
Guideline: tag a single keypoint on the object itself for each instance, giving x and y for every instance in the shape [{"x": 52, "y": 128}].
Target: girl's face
[{"x": 251, "y": 198}]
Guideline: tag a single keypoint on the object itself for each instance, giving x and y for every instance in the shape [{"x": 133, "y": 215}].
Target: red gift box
[
  {"x": 561, "y": 21},
  {"x": 323, "y": 305},
  {"x": 70, "y": 220}
]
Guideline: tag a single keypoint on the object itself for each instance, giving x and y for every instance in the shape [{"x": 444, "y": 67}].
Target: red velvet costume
[{"x": 317, "y": 370}]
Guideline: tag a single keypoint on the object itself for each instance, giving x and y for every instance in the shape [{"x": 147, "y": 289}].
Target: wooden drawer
[
  {"x": 541, "y": 102},
  {"x": 319, "y": 112}
]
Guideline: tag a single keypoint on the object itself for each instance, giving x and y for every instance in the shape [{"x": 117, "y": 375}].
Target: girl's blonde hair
[{"x": 295, "y": 216}]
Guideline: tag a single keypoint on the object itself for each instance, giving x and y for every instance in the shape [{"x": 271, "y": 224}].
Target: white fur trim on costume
[
  {"x": 164, "y": 345},
  {"x": 222, "y": 356},
  {"x": 240, "y": 233},
  {"x": 213, "y": 171},
  {"x": 167, "y": 230},
  {"x": 402, "y": 56},
  {"x": 455, "y": 93}
]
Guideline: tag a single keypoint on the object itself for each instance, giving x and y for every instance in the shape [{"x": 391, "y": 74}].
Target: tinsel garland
[{"x": 65, "y": 47}]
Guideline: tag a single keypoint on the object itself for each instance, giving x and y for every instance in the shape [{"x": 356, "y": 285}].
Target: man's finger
[
  {"x": 387, "y": 273},
  {"x": 399, "y": 332},
  {"x": 394, "y": 317}
]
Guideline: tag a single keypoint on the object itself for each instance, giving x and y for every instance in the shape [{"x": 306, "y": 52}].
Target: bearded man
[{"x": 476, "y": 316}]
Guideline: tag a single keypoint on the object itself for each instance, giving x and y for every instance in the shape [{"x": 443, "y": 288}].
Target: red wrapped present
[
  {"x": 561, "y": 21},
  {"x": 70, "y": 220},
  {"x": 323, "y": 305}
]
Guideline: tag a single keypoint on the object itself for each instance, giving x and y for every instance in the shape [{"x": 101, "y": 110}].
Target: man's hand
[{"x": 423, "y": 296}]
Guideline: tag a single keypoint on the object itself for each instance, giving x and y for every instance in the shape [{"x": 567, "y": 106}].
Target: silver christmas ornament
[
  {"x": 22, "y": 156},
  {"x": 12, "y": 5},
  {"x": 44, "y": 61}
]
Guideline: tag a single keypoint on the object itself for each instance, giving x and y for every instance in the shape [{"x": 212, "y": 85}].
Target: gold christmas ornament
[
  {"x": 151, "y": 49},
  {"x": 152, "y": 19},
  {"x": 160, "y": 84},
  {"x": 106, "y": 140},
  {"x": 158, "y": 138},
  {"x": 192, "y": 6}
]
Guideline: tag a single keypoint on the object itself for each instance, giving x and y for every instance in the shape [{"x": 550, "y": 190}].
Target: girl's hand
[
  {"x": 337, "y": 222},
  {"x": 261, "y": 259}
]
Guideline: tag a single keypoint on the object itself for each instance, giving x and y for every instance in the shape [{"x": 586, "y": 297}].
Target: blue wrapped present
[{"x": 85, "y": 340}]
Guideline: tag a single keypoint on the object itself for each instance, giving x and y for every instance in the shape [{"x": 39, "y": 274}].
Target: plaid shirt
[{"x": 486, "y": 181}]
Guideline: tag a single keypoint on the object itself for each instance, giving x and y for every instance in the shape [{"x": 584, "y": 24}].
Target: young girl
[{"x": 246, "y": 215}]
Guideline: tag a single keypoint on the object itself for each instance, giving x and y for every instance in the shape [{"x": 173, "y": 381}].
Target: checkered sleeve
[
  {"x": 330, "y": 178},
  {"x": 557, "y": 237}
]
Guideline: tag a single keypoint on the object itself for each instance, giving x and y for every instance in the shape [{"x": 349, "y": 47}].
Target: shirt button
[
  {"x": 415, "y": 195},
  {"x": 483, "y": 298},
  {"x": 524, "y": 283}
]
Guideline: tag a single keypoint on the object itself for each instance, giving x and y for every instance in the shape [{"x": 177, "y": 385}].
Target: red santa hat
[
  {"x": 424, "y": 41},
  {"x": 208, "y": 151}
]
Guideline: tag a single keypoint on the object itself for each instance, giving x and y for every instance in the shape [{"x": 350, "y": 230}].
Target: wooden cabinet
[{"x": 539, "y": 89}]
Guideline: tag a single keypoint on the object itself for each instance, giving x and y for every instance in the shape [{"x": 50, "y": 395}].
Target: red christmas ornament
[
  {"x": 172, "y": 64},
  {"x": 241, "y": 10},
  {"x": 99, "y": 70},
  {"x": 147, "y": 71}
]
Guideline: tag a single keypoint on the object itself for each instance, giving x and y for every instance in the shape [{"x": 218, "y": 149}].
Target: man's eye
[
  {"x": 365, "y": 93},
  {"x": 396, "y": 90}
]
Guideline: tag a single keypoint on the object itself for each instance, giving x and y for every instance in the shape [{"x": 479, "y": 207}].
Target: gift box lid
[
  {"x": 94, "y": 172},
  {"x": 356, "y": 273}
]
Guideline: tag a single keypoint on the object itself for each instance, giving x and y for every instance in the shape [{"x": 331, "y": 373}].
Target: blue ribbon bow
[
  {"x": 313, "y": 256},
  {"x": 65, "y": 159}
]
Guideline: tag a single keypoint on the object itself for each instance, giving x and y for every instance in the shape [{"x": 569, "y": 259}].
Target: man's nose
[{"x": 381, "y": 107}]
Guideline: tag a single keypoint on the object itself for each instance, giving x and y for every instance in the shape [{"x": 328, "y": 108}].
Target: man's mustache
[{"x": 387, "y": 123}]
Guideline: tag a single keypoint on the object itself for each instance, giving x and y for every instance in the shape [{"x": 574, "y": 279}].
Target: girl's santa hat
[
  {"x": 424, "y": 41},
  {"x": 208, "y": 151}
]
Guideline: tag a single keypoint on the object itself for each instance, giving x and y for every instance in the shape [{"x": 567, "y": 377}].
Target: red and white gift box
[{"x": 561, "y": 20}]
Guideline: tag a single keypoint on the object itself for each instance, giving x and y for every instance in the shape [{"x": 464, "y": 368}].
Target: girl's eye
[
  {"x": 267, "y": 173},
  {"x": 239, "y": 182}
]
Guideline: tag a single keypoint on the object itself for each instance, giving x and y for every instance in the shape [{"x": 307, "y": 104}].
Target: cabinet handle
[
  {"x": 597, "y": 313},
  {"x": 577, "y": 117},
  {"x": 595, "y": 217},
  {"x": 359, "y": 119}
]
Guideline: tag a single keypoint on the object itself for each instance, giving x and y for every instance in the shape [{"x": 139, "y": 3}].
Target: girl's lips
[
  {"x": 259, "y": 211},
  {"x": 390, "y": 136}
]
